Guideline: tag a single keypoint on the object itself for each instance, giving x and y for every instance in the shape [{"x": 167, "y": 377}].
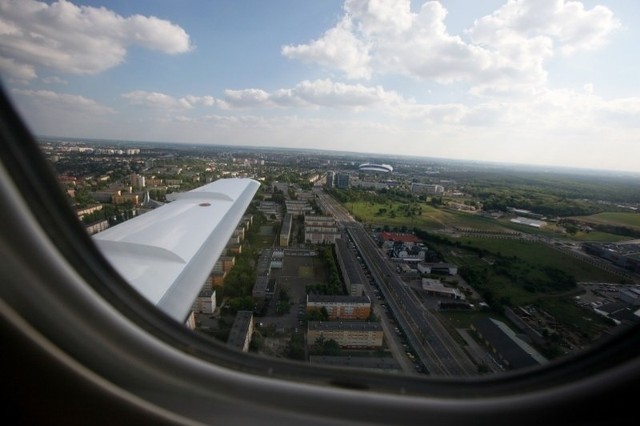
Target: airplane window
[{"x": 414, "y": 198}]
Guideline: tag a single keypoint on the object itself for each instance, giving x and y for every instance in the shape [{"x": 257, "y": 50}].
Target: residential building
[
  {"x": 348, "y": 334},
  {"x": 285, "y": 232},
  {"x": 205, "y": 302},
  {"x": 351, "y": 272},
  {"x": 298, "y": 207},
  {"x": 426, "y": 188},
  {"x": 320, "y": 229},
  {"x": 241, "y": 331},
  {"x": 341, "y": 307},
  {"x": 342, "y": 181},
  {"x": 330, "y": 179}
]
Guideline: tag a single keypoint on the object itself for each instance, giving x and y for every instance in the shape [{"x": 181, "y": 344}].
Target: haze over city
[{"x": 523, "y": 81}]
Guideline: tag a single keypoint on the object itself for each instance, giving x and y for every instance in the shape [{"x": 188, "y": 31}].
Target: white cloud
[
  {"x": 155, "y": 100},
  {"x": 10, "y": 69},
  {"x": 52, "y": 113},
  {"x": 380, "y": 16},
  {"x": 63, "y": 101},
  {"x": 246, "y": 98},
  {"x": 156, "y": 34},
  {"x": 567, "y": 23},
  {"x": 54, "y": 80},
  {"x": 166, "y": 102},
  {"x": 505, "y": 53},
  {"x": 200, "y": 100},
  {"x": 332, "y": 94},
  {"x": 317, "y": 93},
  {"x": 338, "y": 48},
  {"x": 77, "y": 39}
]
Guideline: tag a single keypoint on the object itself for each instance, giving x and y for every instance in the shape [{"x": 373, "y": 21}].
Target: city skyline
[{"x": 525, "y": 82}]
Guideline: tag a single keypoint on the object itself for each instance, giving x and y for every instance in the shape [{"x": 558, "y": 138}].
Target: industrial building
[
  {"x": 436, "y": 288},
  {"x": 437, "y": 268},
  {"x": 624, "y": 255},
  {"x": 508, "y": 349}
]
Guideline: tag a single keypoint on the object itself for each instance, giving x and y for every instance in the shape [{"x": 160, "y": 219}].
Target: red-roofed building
[{"x": 396, "y": 236}]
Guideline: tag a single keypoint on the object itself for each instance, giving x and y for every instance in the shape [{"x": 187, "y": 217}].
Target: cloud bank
[{"x": 76, "y": 39}]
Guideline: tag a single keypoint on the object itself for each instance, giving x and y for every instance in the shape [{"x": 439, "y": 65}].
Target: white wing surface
[{"x": 167, "y": 253}]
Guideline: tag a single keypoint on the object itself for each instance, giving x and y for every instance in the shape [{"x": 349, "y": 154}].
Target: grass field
[
  {"x": 305, "y": 271},
  {"x": 631, "y": 220},
  {"x": 571, "y": 315},
  {"x": 541, "y": 254},
  {"x": 598, "y": 236},
  {"x": 394, "y": 214}
]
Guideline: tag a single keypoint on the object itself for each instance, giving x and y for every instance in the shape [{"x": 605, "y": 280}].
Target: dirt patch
[
  {"x": 305, "y": 271},
  {"x": 266, "y": 230},
  {"x": 276, "y": 347}
]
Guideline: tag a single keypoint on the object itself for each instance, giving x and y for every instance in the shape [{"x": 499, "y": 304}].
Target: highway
[{"x": 440, "y": 354}]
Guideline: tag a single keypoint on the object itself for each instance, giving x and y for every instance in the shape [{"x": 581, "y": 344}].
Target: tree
[
  {"x": 317, "y": 315},
  {"x": 296, "y": 346},
  {"x": 323, "y": 346},
  {"x": 257, "y": 342},
  {"x": 241, "y": 304}
]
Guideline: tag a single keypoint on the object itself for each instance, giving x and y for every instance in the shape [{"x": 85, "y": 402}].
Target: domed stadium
[{"x": 371, "y": 167}]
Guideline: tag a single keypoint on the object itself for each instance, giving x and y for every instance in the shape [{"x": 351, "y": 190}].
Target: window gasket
[{"x": 34, "y": 177}]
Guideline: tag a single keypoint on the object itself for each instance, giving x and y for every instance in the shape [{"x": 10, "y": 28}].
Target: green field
[
  {"x": 571, "y": 316},
  {"x": 421, "y": 215},
  {"x": 393, "y": 214},
  {"x": 598, "y": 237},
  {"x": 541, "y": 254},
  {"x": 396, "y": 214},
  {"x": 631, "y": 220},
  {"x": 305, "y": 271}
]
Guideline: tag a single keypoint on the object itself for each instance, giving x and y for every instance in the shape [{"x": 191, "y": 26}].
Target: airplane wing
[{"x": 167, "y": 253}]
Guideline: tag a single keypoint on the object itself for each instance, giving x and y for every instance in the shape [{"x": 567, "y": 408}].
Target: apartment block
[
  {"x": 352, "y": 334},
  {"x": 341, "y": 307}
]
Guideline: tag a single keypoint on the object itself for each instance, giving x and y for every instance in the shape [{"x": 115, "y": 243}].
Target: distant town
[{"x": 405, "y": 265}]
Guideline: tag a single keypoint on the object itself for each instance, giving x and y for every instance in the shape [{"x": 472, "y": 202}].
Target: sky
[{"x": 546, "y": 82}]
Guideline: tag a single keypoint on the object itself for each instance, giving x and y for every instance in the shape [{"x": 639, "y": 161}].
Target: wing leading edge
[{"x": 167, "y": 253}]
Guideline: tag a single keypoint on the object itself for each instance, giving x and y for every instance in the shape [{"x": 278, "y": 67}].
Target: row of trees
[
  {"x": 334, "y": 284},
  {"x": 113, "y": 213}
]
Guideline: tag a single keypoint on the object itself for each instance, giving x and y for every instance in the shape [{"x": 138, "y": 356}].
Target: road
[
  {"x": 436, "y": 349},
  {"x": 440, "y": 354}
]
